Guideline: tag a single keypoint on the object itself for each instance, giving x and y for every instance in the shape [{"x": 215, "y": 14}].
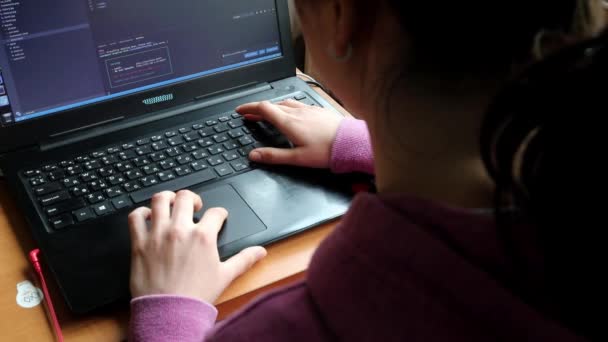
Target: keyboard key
[
  {"x": 142, "y": 142},
  {"x": 244, "y": 141},
  {"x": 141, "y": 161},
  {"x": 246, "y": 130},
  {"x": 49, "y": 168},
  {"x": 56, "y": 175},
  {"x": 88, "y": 176},
  {"x": 74, "y": 170},
  {"x": 236, "y": 123},
  {"x": 215, "y": 150},
  {"x": 66, "y": 163},
  {"x": 98, "y": 154},
  {"x": 175, "y": 141},
  {"x": 184, "y": 130},
  {"x": 235, "y": 134},
  {"x": 172, "y": 152},
  {"x": 55, "y": 198},
  {"x": 199, "y": 155},
  {"x": 197, "y": 126},
  {"x": 230, "y": 145},
  {"x": 92, "y": 165},
  {"x": 47, "y": 189},
  {"x": 71, "y": 181},
  {"x": 299, "y": 97},
  {"x": 62, "y": 221},
  {"x": 224, "y": 118},
  {"x": 205, "y": 142},
  {"x": 142, "y": 151},
  {"x": 127, "y": 155},
  {"x": 108, "y": 160},
  {"x": 64, "y": 207},
  {"x": 182, "y": 171},
  {"x": 213, "y": 161},
  {"x": 151, "y": 169},
  {"x": 166, "y": 176},
  {"x": 223, "y": 170},
  {"x": 205, "y": 133},
  {"x": 221, "y": 128},
  {"x": 102, "y": 208},
  {"x": 131, "y": 186},
  {"x": 156, "y": 138},
  {"x": 167, "y": 164},
  {"x": 79, "y": 191},
  {"x": 240, "y": 165},
  {"x": 113, "y": 150},
  {"x": 148, "y": 181},
  {"x": 116, "y": 180},
  {"x": 220, "y": 138},
  {"x": 198, "y": 165},
  {"x": 189, "y": 147},
  {"x": 158, "y": 156},
  {"x": 31, "y": 173},
  {"x": 82, "y": 159},
  {"x": 174, "y": 185},
  {"x": 236, "y": 115},
  {"x": 113, "y": 192},
  {"x": 83, "y": 214},
  {"x": 95, "y": 198},
  {"x": 97, "y": 185},
  {"x": 133, "y": 174},
  {"x": 159, "y": 145},
  {"x": 122, "y": 167},
  {"x": 230, "y": 156},
  {"x": 170, "y": 134},
  {"x": 191, "y": 136},
  {"x": 106, "y": 171},
  {"x": 211, "y": 123},
  {"x": 121, "y": 202},
  {"x": 128, "y": 146},
  {"x": 181, "y": 160}
]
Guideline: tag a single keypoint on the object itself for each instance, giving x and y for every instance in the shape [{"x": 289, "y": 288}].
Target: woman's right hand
[{"x": 311, "y": 129}]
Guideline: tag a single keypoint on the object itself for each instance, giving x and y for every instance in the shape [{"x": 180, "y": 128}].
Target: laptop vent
[{"x": 158, "y": 99}]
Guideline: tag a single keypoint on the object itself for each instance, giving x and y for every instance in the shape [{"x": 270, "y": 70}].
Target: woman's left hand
[{"x": 172, "y": 255}]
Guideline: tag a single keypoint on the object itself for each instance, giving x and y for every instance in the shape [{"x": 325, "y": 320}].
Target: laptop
[{"x": 105, "y": 103}]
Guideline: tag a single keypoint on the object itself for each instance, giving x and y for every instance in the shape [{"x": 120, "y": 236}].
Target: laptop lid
[{"x": 69, "y": 64}]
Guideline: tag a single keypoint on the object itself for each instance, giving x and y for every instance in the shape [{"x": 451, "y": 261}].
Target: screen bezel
[{"x": 37, "y": 130}]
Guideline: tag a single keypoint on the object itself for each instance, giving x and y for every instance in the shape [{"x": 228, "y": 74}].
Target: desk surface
[{"x": 286, "y": 262}]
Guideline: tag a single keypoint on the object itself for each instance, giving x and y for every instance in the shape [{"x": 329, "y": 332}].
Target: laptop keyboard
[{"x": 121, "y": 176}]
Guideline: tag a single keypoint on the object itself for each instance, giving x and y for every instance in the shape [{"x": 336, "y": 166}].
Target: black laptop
[{"x": 104, "y": 103}]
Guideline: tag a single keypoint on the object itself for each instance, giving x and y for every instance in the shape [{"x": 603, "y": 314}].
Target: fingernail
[
  {"x": 260, "y": 253},
  {"x": 255, "y": 156}
]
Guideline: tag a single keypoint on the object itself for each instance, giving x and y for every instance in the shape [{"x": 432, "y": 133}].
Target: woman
[{"x": 422, "y": 259}]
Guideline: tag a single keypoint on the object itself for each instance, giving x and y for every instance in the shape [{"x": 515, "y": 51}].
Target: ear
[{"x": 345, "y": 21}]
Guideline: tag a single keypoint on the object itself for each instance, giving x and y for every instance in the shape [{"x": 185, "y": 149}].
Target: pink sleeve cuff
[
  {"x": 352, "y": 148},
  {"x": 170, "y": 318}
]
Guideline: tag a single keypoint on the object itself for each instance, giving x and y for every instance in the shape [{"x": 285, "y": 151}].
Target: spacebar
[{"x": 174, "y": 185}]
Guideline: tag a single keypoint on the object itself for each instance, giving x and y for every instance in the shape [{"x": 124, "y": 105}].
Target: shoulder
[{"x": 286, "y": 313}]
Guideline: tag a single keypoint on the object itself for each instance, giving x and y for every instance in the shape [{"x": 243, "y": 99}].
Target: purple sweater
[{"x": 397, "y": 268}]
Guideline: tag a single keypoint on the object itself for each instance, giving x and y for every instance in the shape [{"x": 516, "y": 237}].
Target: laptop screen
[{"x": 63, "y": 54}]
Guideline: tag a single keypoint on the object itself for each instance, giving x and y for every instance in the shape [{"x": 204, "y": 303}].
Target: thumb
[
  {"x": 243, "y": 261},
  {"x": 269, "y": 155}
]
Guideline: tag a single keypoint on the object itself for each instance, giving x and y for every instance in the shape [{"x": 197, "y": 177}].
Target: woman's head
[{"x": 426, "y": 40}]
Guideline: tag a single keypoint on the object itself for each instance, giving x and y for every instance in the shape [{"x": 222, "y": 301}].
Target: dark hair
[{"x": 541, "y": 144}]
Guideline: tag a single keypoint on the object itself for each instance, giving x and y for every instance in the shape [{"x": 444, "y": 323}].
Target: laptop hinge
[{"x": 92, "y": 131}]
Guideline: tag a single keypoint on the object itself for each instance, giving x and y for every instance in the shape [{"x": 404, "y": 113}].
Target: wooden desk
[{"x": 286, "y": 263}]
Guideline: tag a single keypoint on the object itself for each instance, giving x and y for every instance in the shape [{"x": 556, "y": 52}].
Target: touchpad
[{"x": 241, "y": 222}]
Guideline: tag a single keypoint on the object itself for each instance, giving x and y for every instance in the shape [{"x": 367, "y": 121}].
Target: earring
[{"x": 331, "y": 51}]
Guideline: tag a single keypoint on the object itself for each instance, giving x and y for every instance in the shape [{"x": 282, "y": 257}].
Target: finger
[
  {"x": 161, "y": 209},
  {"x": 293, "y": 104},
  {"x": 281, "y": 156},
  {"x": 138, "y": 227},
  {"x": 242, "y": 262},
  {"x": 252, "y": 117},
  {"x": 213, "y": 221},
  {"x": 267, "y": 111},
  {"x": 186, "y": 203}
]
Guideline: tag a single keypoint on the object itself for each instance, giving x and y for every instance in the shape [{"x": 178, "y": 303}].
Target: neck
[{"x": 429, "y": 148}]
